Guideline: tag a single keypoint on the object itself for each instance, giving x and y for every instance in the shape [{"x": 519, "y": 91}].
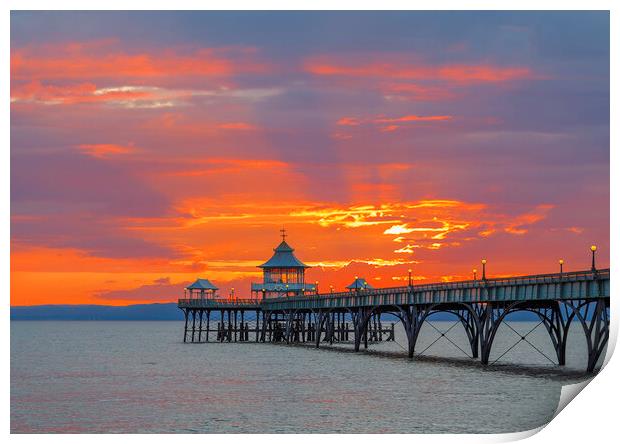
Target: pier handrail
[
  {"x": 218, "y": 302},
  {"x": 550, "y": 278},
  {"x": 511, "y": 280}
]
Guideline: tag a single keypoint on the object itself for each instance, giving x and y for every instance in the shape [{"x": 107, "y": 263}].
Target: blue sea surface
[{"x": 139, "y": 377}]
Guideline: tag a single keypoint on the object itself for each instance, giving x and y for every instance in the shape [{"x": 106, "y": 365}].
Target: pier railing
[
  {"x": 570, "y": 285},
  {"x": 218, "y": 303}
]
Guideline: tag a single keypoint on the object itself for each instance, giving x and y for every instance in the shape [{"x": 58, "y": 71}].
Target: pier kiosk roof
[
  {"x": 359, "y": 284},
  {"x": 283, "y": 258},
  {"x": 283, "y": 274},
  {"x": 202, "y": 284}
]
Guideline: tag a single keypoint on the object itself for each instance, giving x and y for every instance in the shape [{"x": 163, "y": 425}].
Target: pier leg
[
  {"x": 235, "y": 326},
  {"x": 594, "y": 318},
  {"x": 361, "y": 320},
  {"x": 193, "y": 324},
  {"x": 208, "y": 321},
  {"x": 412, "y": 317},
  {"x": 471, "y": 324},
  {"x": 242, "y": 327},
  {"x": 200, "y": 327},
  {"x": 490, "y": 320},
  {"x": 186, "y": 313},
  {"x": 332, "y": 329},
  {"x": 320, "y": 320},
  {"x": 222, "y": 318},
  {"x": 557, "y": 325},
  {"x": 288, "y": 332}
]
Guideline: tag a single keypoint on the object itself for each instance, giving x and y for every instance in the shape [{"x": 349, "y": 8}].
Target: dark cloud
[{"x": 161, "y": 290}]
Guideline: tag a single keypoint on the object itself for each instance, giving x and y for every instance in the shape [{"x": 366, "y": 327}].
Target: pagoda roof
[
  {"x": 202, "y": 284},
  {"x": 283, "y": 257},
  {"x": 360, "y": 283}
]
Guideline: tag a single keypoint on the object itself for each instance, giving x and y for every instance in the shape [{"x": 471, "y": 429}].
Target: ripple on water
[{"x": 137, "y": 377}]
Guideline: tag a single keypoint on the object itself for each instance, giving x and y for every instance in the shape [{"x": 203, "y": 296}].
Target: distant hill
[
  {"x": 153, "y": 312},
  {"x": 140, "y": 312}
]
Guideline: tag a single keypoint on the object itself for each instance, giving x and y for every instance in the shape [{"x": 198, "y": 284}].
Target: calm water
[{"x": 137, "y": 377}]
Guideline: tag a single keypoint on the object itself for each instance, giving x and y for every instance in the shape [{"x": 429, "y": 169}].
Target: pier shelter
[
  {"x": 283, "y": 275},
  {"x": 202, "y": 289}
]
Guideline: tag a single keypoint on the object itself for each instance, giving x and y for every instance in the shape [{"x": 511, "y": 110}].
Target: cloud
[
  {"x": 517, "y": 226},
  {"x": 108, "y": 60},
  {"x": 185, "y": 125},
  {"x": 161, "y": 290},
  {"x": 129, "y": 96},
  {"x": 77, "y": 93},
  {"x": 416, "y": 91},
  {"x": 105, "y": 150},
  {"x": 395, "y": 68},
  {"x": 398, "y": 229},
  {"x": 407, "y": 249},
  {"x": 388, "y": 124},
  {"x": 238, "y": 126},
  {"x": 221, "y": 166},
  {"x": 348, "y": 121},
  {"x": 374, "y": 262},
  {"x": 108, "y": 72},
  {"x": 412, "y": 118}
]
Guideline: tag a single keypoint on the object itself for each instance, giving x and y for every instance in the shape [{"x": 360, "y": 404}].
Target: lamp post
[
  {"x": 331, "y": 289},
  {"x": 475, "y": 273},
  {"x": 410, "y": 279},
  {"x": 484, "y": 269},
  {"x": 561, "y": 262},
  {"x": 593, "y": 248},
  {"x": 316, "y": 284}
]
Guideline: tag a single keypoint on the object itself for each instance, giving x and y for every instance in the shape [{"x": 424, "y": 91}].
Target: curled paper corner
[
  {"x": 518, "y": 436},
  {"x": 568, "y": 393}
]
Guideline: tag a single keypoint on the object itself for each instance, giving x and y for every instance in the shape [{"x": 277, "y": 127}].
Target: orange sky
[{"x": 140, "y": 162}]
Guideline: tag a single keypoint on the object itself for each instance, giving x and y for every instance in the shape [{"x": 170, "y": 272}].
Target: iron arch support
[{"x": 594, "y": 319}]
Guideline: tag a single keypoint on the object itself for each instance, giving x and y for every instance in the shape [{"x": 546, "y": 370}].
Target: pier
[{"x": 298, "y": 313}]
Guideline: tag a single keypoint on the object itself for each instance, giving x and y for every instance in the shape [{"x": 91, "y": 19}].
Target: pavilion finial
[{"x": 283, "y": 231}]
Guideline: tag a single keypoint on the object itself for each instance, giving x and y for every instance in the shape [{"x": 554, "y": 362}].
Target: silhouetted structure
[
  {"x": 359, "y": 284},
  {"x": 291, "y": 315},
  {"x": 283, "y": 274}
]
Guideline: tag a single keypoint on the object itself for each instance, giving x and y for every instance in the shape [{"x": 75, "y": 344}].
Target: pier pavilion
[
  {"x": 359, "y": 284},
  {"x": 283, "y": 275},
  {"x": 202, "y": 289}
]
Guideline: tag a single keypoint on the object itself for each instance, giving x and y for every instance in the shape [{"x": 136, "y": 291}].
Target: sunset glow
[{"x": 150, "y": 149}]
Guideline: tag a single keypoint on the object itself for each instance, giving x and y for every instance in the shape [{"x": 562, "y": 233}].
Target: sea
[{"x": 139, "y": 377}]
